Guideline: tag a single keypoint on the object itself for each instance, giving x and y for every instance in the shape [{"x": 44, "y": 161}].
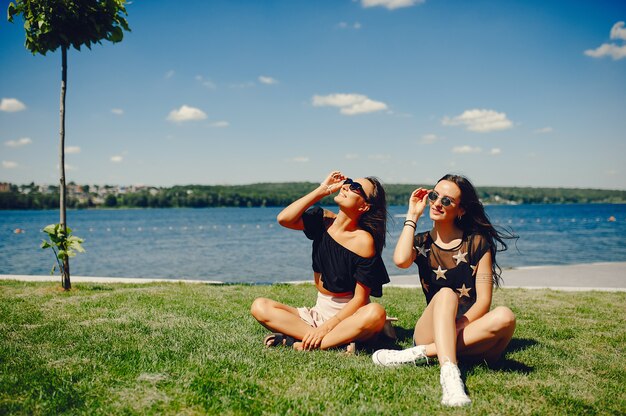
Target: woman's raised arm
[
  {"x": 404, "y": 254},
  {"x": 291, "y": 216}
]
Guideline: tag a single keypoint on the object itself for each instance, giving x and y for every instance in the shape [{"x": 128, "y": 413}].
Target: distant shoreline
[{"x": 34, "y": 196}]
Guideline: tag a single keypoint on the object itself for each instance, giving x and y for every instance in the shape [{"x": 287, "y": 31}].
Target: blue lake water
[{"x": 247, "y": 245}]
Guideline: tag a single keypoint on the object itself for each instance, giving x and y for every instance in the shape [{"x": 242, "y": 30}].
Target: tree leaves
[
  {"x": 62, "y": 243},
  {"x": 11, "y": 11},
  {"x": 116, "y": 35},
  {"x": 50, "y": 24}
]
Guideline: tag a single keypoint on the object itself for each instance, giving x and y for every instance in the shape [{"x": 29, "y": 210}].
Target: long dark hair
[
  {"x": 475, "y": 220},
  {"x": 374, "y": 220}
]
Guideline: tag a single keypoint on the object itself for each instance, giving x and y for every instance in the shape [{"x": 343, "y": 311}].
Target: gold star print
[
  {"x": 422, "y": 250},
  {"x": 425, "y": 285},
  {"x": 464, "y": 291},
  {"x": 441, "y": 274},
  {"x": 460, "y": 257}
]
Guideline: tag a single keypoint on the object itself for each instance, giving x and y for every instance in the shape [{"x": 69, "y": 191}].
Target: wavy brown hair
[
  {"x": 475, "y": 220},
  {"x": 374, "y": 220}
]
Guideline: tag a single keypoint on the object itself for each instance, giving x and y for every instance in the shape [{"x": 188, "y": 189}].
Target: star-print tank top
[{"x": 454, "y": 268}]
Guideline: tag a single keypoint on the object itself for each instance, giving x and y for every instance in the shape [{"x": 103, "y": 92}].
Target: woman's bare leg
[
  {"x": 366, "y": 322},
  {"x": 423, "y": 333},
  {"x": 278, "y": 317},
  {"x": 486, "y": 338},
  {"x": 436, "y": 327}
]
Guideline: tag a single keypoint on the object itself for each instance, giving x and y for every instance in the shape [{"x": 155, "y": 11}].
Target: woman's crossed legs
[{"x": 365, "y": 323}]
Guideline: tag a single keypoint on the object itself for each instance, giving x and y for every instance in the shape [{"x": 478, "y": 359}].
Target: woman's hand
[
  {"x": 312, "y": 340},
  {"x": 417, "y": 203},
  {"x": 333, "y": 181},
  {"x": 291, "y": 216}
]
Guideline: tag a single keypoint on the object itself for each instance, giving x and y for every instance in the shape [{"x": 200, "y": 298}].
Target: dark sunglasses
[
  {"x": 355, "y": 187},
  {"x": 434, "y": 196}
]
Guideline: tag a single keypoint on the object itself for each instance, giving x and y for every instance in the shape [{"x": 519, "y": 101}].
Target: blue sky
[{"x": 511, "y": 93}]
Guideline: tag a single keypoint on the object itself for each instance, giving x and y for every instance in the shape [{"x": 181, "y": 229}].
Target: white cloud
[
  {"x": 117, "y": 159},
  {"x": 352, "y": 156},
  {"x": 169, "y": 74},
  {"x": 466, "y": 149},
  {"x": 618, "y": 31},
  {"x": 117, "y": 111},
  {"x": 480, "y": 120},
  {"x": 11, "y": 105},
  {"x": 300, "y": 159},
  {"x": 544, "y": 130},
  {"x": 19, "y": 142},
  {"x": 611, "y": 49},
  {"x": 349, "y": 104},
  {"x": 346, "y": 25},
  {"x": 379, "y": 157},
  {"x": 206, "y": 82},
  {"x": 220, "y": 124},
  {"x": 608, "y": 49},
  {"x": 430, "y": 138},
  {"x": 186, "y": 113},
  {"x": 391, "y": 4},
  {"x": 7, "y": 164},
  {"x": 72, "y": 150},
  {"x": 267, "y": 80},
  {"x": 495, "y": 151}
]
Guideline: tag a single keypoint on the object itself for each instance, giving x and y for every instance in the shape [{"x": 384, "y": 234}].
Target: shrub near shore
[
  {"x": 168, "y": 348},
  {"x": 262, "y": 194}
]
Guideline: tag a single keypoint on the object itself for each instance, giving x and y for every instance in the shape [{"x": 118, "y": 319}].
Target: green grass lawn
[{"x": 194, "y": 349}]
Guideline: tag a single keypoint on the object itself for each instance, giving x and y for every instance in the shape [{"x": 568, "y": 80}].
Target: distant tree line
[{"x": 277, "y": 195}]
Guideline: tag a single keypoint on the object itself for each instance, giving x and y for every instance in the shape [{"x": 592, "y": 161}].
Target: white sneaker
[
  {"x": 452, "y": 386},
  {"x": 392, "y": 358}
]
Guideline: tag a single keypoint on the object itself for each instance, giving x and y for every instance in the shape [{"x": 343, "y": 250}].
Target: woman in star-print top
[{"x": 457, "y": 267}]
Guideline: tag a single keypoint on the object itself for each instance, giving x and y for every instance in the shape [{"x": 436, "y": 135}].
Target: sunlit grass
[{"x": 195, "y": 349}]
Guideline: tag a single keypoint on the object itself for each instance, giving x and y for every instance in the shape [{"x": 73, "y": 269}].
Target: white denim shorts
[{"x": 325, "y": 308}]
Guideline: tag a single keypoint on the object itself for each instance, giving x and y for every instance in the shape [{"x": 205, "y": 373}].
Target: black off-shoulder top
[{"x": 340, "y": 267}]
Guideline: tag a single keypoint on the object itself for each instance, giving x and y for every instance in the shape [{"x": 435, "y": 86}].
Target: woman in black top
[
  {"x": 347, "y": 267},
  {"x": 457, "y": 267}
]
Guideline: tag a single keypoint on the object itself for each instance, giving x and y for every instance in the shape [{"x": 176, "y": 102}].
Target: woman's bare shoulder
[{"x": 363, "y": 244}]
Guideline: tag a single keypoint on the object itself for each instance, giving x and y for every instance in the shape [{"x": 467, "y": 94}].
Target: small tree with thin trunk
[{"x": 53, "y": 24}]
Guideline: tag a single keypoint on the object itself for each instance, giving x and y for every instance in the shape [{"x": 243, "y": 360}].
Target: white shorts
[{"x": 325, "y": 308}]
